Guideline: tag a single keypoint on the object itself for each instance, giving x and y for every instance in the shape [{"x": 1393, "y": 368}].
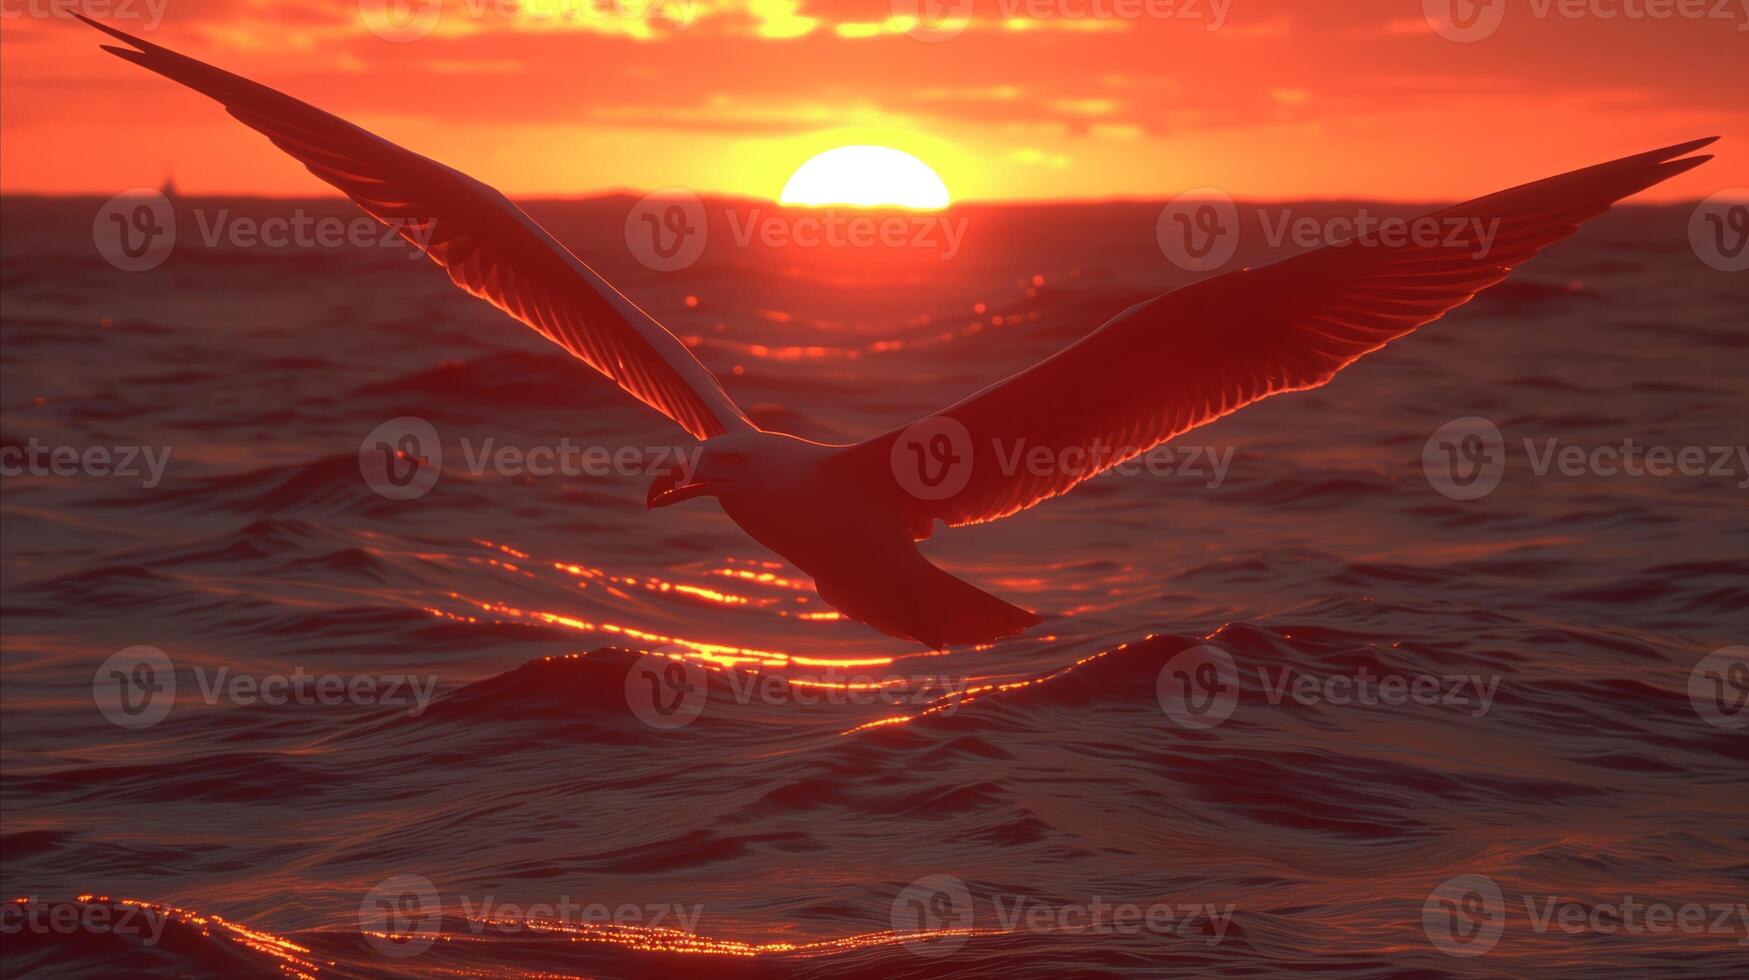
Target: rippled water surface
[{"x": 838, "y": 781}]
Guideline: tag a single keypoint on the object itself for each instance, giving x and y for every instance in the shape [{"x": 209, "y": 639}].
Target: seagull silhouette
[{"x": 850, "y": 516}]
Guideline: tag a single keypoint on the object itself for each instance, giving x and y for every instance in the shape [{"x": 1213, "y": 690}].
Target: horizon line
[{"x": 756, "y": 199}]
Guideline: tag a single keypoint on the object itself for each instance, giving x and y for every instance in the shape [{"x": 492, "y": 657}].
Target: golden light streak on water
[
  {"x": 973, "y": 692},
  {"x": 841, "y": 661},
  {"x": 289, "y": 957},
  {"x": 764, "y": 578},
  {"x": 294, "y": 959}
]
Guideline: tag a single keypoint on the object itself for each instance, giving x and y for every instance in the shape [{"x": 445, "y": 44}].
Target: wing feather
[
  {"x": 1198, "y": 353},
  {"x": 489, "y": 247}
]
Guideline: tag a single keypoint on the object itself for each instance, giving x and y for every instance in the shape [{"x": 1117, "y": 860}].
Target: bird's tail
[{"x": 913, "y": 600}]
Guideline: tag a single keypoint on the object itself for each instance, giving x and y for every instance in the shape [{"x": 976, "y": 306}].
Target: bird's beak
[{"x": 668, "y": 489}]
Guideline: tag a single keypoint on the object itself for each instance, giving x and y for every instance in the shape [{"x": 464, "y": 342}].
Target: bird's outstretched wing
[
  {"x": 1195, "y": 354},
  {"x": 489, "y": 247}
]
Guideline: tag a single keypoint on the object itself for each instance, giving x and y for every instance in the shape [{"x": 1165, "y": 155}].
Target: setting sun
[{"x": 866, "y": 177}]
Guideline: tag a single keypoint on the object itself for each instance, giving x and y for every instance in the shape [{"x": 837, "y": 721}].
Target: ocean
[{"x": 1308, "y": 699}]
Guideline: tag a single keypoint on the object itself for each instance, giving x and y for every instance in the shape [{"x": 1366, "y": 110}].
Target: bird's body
[
  {"x": 846, "y": 529},
  {"x": 850, "y": 516},
  {"x": 781, "y": 490}
]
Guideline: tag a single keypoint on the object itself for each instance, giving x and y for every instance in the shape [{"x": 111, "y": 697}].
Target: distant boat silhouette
[{"x": 850, "y": 516}]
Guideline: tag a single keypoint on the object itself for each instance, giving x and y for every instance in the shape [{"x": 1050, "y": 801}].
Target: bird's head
[
  {"x": 743, "y": 464},
  {"x": 702, "y": 473}
]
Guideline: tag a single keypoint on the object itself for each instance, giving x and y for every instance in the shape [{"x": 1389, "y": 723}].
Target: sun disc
[{"x": 865, "y": 177}]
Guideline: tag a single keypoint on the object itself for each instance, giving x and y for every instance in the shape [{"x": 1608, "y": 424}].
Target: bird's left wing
[
  {"x": 1188, "y": 357},
  {"x": 489, "y": 247}
]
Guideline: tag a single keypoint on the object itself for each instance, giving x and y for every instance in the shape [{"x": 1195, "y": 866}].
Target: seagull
[{"x": 850, "y": 516}]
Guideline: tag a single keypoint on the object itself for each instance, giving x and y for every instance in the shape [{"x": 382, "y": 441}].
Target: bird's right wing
[
  {"x": 1188, "y": 357},
  {"x": 489, "y": 247}
]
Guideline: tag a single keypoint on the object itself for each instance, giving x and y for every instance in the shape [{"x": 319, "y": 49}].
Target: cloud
[{"x": 1361, "y": 78}]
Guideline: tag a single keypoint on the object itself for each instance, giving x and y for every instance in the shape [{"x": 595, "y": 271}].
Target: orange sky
[{"x": 1034, "y": 99}]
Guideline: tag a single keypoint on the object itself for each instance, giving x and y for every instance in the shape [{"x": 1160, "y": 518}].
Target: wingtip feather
[
  {"x": 129, "y": 54},
  {"x": 1676, "y": 150},
  {"x": 119, "y": 35},
  {"x": 1664, "y": 171}
]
